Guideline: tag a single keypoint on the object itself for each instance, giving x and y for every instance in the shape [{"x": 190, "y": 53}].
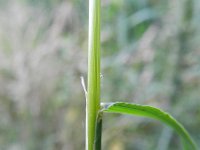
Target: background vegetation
[{"x": 150, "y": 55}]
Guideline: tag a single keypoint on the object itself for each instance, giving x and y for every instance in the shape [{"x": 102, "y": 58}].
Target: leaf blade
[{"x": 151, "y": 112}]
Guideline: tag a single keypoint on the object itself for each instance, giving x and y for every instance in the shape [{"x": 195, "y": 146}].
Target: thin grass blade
[{"x": 151, "y": 112}]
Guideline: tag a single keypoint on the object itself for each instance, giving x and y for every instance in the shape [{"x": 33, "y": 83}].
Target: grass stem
[{"x": 93, "y": 95}]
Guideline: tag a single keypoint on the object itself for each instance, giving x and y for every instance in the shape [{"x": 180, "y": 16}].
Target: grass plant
[{"x": 95, "y": 109}]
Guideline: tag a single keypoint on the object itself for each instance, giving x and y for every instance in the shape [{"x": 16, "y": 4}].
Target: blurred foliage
[{"x": 150, "y": 55}]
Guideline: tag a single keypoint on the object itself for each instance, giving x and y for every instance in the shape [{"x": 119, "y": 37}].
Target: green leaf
[{"x": 151, "y": 112}]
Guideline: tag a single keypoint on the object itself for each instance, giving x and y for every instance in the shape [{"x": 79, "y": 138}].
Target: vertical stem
[
  {"x": 97, "y": 142},
  {"x": 93, "y": 96}
]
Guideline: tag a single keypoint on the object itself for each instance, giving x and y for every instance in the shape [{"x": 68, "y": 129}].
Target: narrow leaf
[{"x": 151, "y": 112}]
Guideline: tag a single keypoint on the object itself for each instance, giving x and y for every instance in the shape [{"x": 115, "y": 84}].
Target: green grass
[
  {"x": 94, "y": 111},
  {"x": 93, "y": 94}
]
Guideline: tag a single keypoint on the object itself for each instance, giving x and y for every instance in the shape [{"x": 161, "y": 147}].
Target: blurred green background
[{"x": 150, "y": 55}]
